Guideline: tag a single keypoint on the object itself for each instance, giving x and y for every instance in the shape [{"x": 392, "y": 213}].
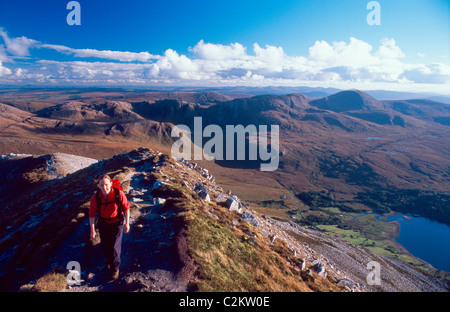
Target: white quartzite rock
[{"x": 250, "y": 219}]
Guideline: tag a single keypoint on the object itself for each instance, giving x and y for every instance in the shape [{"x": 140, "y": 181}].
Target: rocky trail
[{"x": 149, "y": 256}]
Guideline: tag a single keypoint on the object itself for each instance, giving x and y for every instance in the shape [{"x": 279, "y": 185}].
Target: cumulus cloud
[
  {"x": 92, "y": 71},
  {"x": 19, "y": 46},
  {"x": 273, "y": 58},
  {"x": 353, "y": 61},
  {"x": 389, "y": 49},
  {"x": 173, "y": 65},
  {"x": 355, "y": 53},
  {"x": 210, "y": 51},
  {"x": 4, "y": 70},
  {"x": 358, "y": 61},
  {"x": 3, "y": 55},
  {"x": 339, "y": 64},
  {"x": 432, "y": 73}
]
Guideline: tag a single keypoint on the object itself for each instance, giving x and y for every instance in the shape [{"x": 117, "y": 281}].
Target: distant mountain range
[
  {"x": 347, "y": 142},
  {"x": 313, "y": 92}
]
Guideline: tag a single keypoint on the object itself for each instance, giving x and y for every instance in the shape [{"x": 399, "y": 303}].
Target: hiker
[{"x": 114, "y": 218}]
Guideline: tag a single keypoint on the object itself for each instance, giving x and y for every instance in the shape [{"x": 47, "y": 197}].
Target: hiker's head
[{"x": 105, "y": 184}]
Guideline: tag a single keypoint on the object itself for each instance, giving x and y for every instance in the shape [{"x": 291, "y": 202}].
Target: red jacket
[{"x": 108, "y": 207}]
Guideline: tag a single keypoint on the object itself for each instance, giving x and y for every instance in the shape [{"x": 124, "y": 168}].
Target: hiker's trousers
[{"x": 111, "y": 241}]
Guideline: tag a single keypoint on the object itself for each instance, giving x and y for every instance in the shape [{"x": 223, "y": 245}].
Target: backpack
[{"x": 117, "y": 188}]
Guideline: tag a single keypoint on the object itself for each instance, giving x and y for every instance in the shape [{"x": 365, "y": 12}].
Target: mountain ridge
[{"x": 306, "y": 129}]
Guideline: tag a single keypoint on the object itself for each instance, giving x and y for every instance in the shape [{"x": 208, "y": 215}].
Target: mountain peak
[{"x": 345, "y": 101}]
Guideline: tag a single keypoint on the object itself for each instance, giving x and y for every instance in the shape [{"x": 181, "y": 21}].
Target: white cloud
[
  {"x": 123, "y": 56},
  {"x": 356, "y": 61},
  {"x": 3, "y": 55},
  {"x": 432, "y": 73},
  {"x": 343, "y": 64},
  {"x": 4, "y": 70},
  {"x": 272, "y": 57},
  {"x": 389, "y": 50},
  {"x": 421, "y": 55},
  {"x": 92, "y": 71},
  {"x": 355, "y": 53},
  {"x": 17, "y": 46},
  {"x": 210, "y": 51},
  {"x": 173, "y": 65}
]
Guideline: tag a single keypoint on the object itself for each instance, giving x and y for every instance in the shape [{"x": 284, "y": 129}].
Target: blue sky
[{"x": 325, "y": 43}]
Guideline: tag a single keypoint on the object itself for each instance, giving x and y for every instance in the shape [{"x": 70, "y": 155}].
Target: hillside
[{"x": 187, "y": 234}]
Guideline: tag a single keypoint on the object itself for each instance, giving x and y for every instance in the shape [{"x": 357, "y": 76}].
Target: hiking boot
[{"x": 114, "y": 275}]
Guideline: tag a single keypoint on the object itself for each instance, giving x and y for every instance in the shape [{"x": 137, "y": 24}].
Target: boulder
[
  {"x": 199, "y": 187},
  {"x": 346, "y": 283},
  {"x": 232, "y": 204},
  {"x": 320, "y": 269},
  {"x": 135, "y": 192},
  {"x": 204, "y": 195},
  {"x": 159, "y": 201},
  {"x": 272, "y": 239},
  {"x": 202, "y": 191},
  {"x": 250, "y": 219},
  {"x": 303, "y": 266},
  {"x": 221, "y": 198}
]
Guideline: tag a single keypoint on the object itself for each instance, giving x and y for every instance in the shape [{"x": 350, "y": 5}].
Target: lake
[{"x": 425, "y": 239}]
